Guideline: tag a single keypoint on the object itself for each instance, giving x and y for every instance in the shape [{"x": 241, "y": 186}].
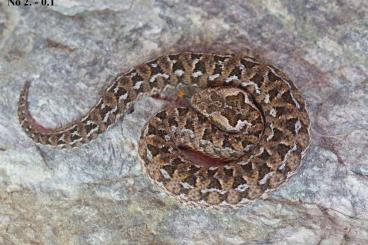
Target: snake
[{"x": 236, "y": 130}]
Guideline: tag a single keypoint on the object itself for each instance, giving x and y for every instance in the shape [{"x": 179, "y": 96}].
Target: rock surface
[{"x": 98, "y": 193}]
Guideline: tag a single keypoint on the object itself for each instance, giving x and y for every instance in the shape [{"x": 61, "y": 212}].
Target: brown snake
[{"x": 242, "y": 134}]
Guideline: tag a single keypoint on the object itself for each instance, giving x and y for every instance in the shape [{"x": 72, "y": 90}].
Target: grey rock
[{"x": 99, "y": 194}]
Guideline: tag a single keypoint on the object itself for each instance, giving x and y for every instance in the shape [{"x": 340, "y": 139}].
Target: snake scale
[{"x": 239, "y": 133}]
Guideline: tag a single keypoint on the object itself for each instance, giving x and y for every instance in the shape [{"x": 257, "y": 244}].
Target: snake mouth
[{"x": 202, "y": 159}]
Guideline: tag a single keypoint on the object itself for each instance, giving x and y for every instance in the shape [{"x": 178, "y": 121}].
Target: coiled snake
[{"x": 242, "y": 134}]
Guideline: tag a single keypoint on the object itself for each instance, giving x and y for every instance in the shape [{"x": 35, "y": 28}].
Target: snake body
[{"x": 241, "y": 134}]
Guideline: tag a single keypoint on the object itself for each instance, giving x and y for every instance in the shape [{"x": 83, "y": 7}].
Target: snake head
[{"x": 230, "y": 109}]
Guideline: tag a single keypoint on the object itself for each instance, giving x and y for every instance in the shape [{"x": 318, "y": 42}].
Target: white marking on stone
[
  {"x": 154, "y": 65},
  {"x": 179, "y": 73},
  {"x": 213, "y": 77},
  {"x": 197, "y": 74}
]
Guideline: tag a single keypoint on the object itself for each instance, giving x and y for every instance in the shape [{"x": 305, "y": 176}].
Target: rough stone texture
[{"x": 98, "y": 194}]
